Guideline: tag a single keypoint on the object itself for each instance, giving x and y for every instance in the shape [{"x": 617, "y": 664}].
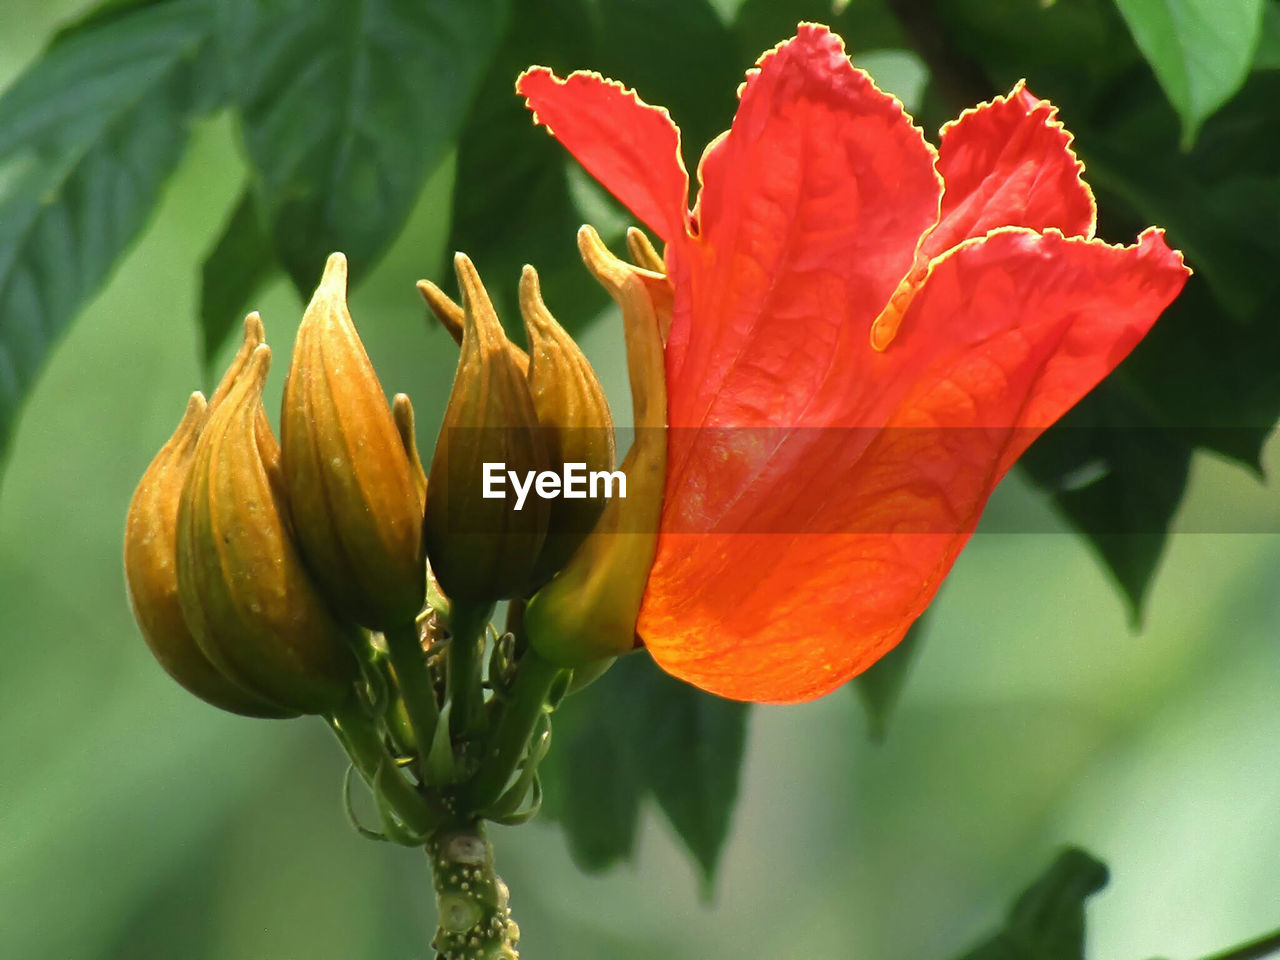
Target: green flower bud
[
  {"x": 150, "y": 567},
  {"x": 241, "y": 583},
  {"x": 483, "y": 549},
  {"x": 352, "y": 492},
  {"x": 588, "y": 611}
]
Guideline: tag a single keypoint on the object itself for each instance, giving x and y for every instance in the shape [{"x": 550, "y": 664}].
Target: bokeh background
[{"x": 136, "y": 822}]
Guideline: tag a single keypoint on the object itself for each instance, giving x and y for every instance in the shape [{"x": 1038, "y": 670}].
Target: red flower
[{"x": 894, "y": 324}]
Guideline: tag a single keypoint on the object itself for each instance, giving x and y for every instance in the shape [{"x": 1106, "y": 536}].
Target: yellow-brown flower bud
[
  {"x": 253, "y": 336},
  {"x": 243, "y": 588},
  {"x": 453, "y": 318},
  {"x": 642, "y": 251},
  {"x": 647, "y": 258},
  {"x": 588, "y": 611},
  {"x": 351, "y": 489},
  {"x": 571, "y": 407},
  {"x": 483, "y": 549},
  {"x": 150, "y": 566},
  {"x": 402, "y": 411}
]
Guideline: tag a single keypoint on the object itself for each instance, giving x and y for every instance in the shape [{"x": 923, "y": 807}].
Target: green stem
[
  {"x": 359, "y": 737},
  {"x": 534, "y": 680},
  {"x": 471, "y": 899},
  {"x": 1265, "y": 946},
  {"x": 405, "y": 650},
  {"x": 467, "y": 625}
]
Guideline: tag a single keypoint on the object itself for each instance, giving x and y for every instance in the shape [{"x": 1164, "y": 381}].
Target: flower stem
[
  {"x": 471, "y": 899},
  {"x": 360, "y": 739},
  {"x": 467, "y": 625},
  {"x": 506, "y": 745},
  {"x": 1264, "y": 946},
  {"x": 414, "y": 679}
]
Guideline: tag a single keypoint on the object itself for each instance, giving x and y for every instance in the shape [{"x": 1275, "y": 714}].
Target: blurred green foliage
[{"x": 165, "y": 164}]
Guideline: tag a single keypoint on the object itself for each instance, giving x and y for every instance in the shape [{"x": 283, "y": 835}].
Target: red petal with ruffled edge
[
  {"x": 1007, "y": 333},
  {"x": 796, "y": 554},
  {"x": 1009, "y": 163},
  {"x": 633, "y": 149},
  {"x": 1005, "y": 163},
  {"x": 809, "y": 215}
]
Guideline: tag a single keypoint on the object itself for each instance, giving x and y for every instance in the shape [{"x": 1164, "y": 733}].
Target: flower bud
[
  {"x": 647, "y": 258},
  {"x": 483, "y": 549},
  {"x": 452, "y": 318},
  {"x": 241, "y": 582},
  {"x": 588, "y": 611},
  {"x": 572, "y": 409},
  {"x": 253, "y": 336},
  {"x": 402, "y": 412},
  {"x": 642, "y": 251},
  {"x": 350, "y": 483},
  {"x": 150, "y": 567}
]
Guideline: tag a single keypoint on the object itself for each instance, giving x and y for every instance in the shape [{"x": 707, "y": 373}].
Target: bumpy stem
[{"x": 471, "y": 899}]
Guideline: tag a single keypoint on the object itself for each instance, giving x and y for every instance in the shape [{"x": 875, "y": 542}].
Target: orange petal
[
  {"x": 633, "y": 149},
  {"x": 830, "y": 567},
  {"x": 1009, "y": 163},
  {"x": 810, "y": 212},
  {"x": 1005, "y": 163}
]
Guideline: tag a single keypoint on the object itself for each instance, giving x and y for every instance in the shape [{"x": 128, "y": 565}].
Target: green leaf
[
  {"x": 590, "y": 785},
  {"x": 235, "y": 269},
  {"x": 345, "y": 108},
  {"x": 1118, "y": 475},
  {"x": 879, "y": 688},
  {"x": 88, "y": 136},
  {"x": 102, "y": 14},
  {"x": 638, "y": 731},
  {"x": 1268, "y": 54},
  {"x": 1200, "y": 50},
  {"x": 1047, "y": 921},
  {"x": 512, "y": 203},
  {"x": 687, "y": 746}
]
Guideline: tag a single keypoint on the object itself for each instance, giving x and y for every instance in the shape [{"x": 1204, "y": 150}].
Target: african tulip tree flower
[{"x": 902, "y": 321}]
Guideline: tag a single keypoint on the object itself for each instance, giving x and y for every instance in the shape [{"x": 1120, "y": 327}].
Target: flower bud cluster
[
  {"x": 252, "y": 564},
  {"x": 259, "y": 569}
]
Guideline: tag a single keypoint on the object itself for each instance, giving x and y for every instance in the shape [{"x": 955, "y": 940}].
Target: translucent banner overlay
[{"x": 830, "y": 480}]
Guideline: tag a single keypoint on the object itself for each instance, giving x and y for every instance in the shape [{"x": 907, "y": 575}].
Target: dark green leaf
[
  {"x": 1200, "y": 50},
  {"x": 879, "y": 688},
  {"x": 235, "y": 269},
  {"x": 687, "y": 747},
  {"x": 1118, "y": 475},
  {"x": 102, "y": 14},
  {"x": 679, "y": 55},
  {"x": 345, "y": 107},
  {"x": 1047, "y": 922},
  {"x": 512, "y": 204},
  {"x": 590, "y": 783},
  {"x": 1268, "y": 55},
  {"x": 638, "y": 731},
  {"x": 88, "y": 136}
]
